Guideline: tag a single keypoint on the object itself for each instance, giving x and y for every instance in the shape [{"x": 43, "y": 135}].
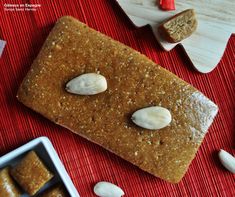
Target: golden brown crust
[
  {"x": 179, "y": 27},
  {"x": 8, "y": 187},
  {"x": 134, "y": 82},
  {"x": 31, "y": 173}
]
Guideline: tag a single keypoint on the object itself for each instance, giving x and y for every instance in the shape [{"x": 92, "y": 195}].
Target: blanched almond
[
  {"x": 106, "y": 189},
  {"x": 227, "y": 160},
  {"x": 152, "y": 117},
  {"x": 87, "y": 84}
]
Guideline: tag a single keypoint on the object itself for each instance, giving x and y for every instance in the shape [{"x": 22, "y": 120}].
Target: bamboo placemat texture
[{"x": 87, "y": 163}]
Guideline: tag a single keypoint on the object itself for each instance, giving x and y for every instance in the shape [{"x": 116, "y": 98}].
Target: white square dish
[{"x": 45, "y": 150}]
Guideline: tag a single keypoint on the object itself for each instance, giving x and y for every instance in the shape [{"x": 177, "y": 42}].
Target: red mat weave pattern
[{"x": 86, "y": 162}]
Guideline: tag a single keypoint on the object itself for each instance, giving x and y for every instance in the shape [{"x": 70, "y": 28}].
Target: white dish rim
[{"x": 53, "y": 156}]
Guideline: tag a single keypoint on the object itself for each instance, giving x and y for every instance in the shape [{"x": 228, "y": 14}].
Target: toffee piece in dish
[
  {"x": 56, "y": 191},
  {"x": 8, "y": 187},
  {"x": 134, "y": 82},
  {"x": 31, "y": 174}
]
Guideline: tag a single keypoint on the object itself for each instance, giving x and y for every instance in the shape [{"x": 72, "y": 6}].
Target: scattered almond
[
  {"x": 2, "y": 46},
  {"x": 87, "y": 84},
  {"x": 106, "y": 189},
  {"x": 227, "y": 160},
  {"x": 152, "y": 117}
]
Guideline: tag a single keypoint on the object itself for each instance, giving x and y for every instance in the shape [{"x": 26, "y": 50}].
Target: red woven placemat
[{"x": 86, "y": 162}]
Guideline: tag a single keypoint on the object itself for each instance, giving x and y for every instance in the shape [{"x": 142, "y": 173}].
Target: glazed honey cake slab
[{"x": 134, "y": 82}]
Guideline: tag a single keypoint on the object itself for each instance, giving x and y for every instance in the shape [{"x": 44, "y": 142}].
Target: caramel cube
[{"x": 31, "y": 173}]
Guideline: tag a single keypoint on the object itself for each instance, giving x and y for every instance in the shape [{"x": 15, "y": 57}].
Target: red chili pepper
[{"x": 167, "y": 4}]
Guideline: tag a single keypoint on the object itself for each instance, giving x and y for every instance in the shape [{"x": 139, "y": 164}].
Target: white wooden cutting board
[{"x": 216, "y": 23}]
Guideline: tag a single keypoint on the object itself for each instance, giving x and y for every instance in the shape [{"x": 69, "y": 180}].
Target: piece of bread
[
  {"x": 134, "y": 82},
  {"x": 179, "y": 27},
  {"x": 8, "y": 187},
  {"x": 31, "y": 174}
]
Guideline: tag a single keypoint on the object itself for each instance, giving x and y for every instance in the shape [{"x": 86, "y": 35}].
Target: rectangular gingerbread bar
[{"x": 134, "y": 82}]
